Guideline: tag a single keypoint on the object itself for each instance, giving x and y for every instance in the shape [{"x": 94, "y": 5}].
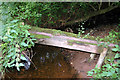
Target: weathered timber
[
  {"x": 72, "y": 38},
  {"x": 64, "y": 44},
  {"x": 101, "y": 58},
  {"x": 62, "y": 41}
]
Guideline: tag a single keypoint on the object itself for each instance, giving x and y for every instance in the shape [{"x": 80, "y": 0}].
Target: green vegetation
[
  {"x": 110, "y": 69},
  {"x": 38, "y": 36},
  {"x": 16, "y": 39},
  {"x": 53, "y": 31},
  {"x": 54, "y": 14}
]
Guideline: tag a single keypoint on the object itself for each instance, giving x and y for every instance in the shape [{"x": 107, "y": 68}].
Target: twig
[
  {"x": 48, "y": 21},
  {"x": 30, "y": 60},
  {"x": 100, "y": 4},
  {"x": 92, "y": 7}
]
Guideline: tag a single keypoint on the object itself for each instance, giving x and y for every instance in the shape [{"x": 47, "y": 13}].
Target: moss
[
  {"x": 72, "y": 41},
  {"x": 99, "y": 50},
  {"x": 59, "y": 32},
  {"x": 53, "y": 31},
  {"x": 38, "y": 36}
]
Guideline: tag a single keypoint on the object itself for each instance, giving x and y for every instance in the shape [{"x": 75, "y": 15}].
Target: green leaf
[
  {"x": 9, "y": 36},
  {"x": 5, "y": 50},
  {"x": 21, "y": 64},
  {"x": 24, "y": 44},
  {"x": 90, "y": 73},
  {"x": 116, "y": 46},
  {"x": 114, "y": 75},
  {"x": 117, "y": 70},
  {"x": 12, "y": 65},
  {"x": 33, "y": 39},
  {"x": 14, "y": 31},
  {"x": 12, "y": 61},
  {"x": 118, "y": 61},
  {"x": 14, "y": 21},
  {"x": 115, "y": 49},
  {"x": 117, "y": 55},
  {"x": 23, "y": 57},
  {"x": 18, "y": 68},
  {"x": 12, "y": 26},
  {"x": 11, "y": 54}
]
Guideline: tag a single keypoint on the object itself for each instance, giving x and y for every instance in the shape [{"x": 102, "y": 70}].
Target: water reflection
[{"x": 50, "y": 63}]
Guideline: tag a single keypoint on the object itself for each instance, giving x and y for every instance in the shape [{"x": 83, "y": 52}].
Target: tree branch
[{"x": 91, "y": 15}]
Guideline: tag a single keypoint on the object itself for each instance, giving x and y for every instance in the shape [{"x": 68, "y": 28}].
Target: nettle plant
[{"x": 16, "y": 39}]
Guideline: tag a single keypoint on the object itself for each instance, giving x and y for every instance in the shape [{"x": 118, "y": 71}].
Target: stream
[{"x": 49, "y": 62}]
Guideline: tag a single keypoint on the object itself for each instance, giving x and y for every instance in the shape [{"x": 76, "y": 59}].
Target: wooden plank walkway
[{"x": 63, "y": 41}]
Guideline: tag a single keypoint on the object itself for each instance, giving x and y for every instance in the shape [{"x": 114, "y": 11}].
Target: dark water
[{"x": 49, "y": 63}]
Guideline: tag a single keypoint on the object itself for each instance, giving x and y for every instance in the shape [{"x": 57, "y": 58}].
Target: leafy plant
[
  {"x": 16, "y": 39},
  {"x": 81, "y": 30},
  {"x": 117, "y": 48},
  {"x": 110, "y": 70}
]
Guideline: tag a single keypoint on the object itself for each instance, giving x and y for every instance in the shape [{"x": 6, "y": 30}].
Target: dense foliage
[
  {"x": 111, "y": 69},
  {"x": 15, "y": 40},
  {"x": 58, "y": 14}
]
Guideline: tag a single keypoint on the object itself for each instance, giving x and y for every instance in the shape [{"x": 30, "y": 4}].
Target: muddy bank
[{"x": 80, "y": 61}]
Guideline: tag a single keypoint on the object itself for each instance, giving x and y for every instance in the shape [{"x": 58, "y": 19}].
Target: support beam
[{"x": 101, "y": 58}]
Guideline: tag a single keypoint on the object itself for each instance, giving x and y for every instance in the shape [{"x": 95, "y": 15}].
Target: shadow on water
[{"x": 50, "y": 63}]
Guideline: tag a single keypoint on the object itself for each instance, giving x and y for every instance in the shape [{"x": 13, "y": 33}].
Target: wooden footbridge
[
  {"x": 61, "y": 39},
  {"x": 64, "y": 41}
]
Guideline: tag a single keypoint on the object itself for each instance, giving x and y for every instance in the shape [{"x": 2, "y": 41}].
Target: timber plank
[
  {"x": 72, "y": 38},
  {"x": 64, "y": 44}
]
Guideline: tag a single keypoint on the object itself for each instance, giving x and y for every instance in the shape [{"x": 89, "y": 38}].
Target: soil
[{"x": 80, "y": 60}]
